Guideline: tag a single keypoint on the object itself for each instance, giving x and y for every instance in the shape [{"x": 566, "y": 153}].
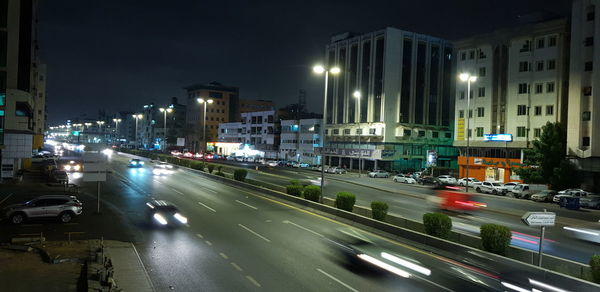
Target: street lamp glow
[
  {"x": 210, "y": 101},
  {"x": 356, "y": 94},
  {"x": 335, "y": 70},
  {"x": 100, "y": 123},
  {"x": 117, "y": 120},
  {"x": 467, "y": 77},
  {"x": 318, "y": 69}
]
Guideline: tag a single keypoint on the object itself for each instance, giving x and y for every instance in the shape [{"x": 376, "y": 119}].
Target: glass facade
[
  {"x": 378, "y": 85},
  {"x": 364, "y": 81},
  {"x": 353, "y": 80},
  {"x": 421, "y": 82},
  {"x": 341, "y": 86},
  {"x": 433, "y": 84},
  {"x": 447, "y": 86},
  {"x": 330, "y": 64},
  {"x": 406, "y": 81}
]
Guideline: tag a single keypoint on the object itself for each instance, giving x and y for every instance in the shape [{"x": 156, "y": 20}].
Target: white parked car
[
  {"x": 590, "y": 201},
  {"x": 493, "y": 188},
  {"x": 470, "y": 181},
  {"x": 401, "y": 178},
  {"x": 303, "y": 165},
  {"x": 510, "y": 185},
  {"x": 335, "y": 170},
  {"x": 379, "y": 173},
  {"x": 563, "y": 192},
  {"x": 447, "y": 179},
  {"x": 578, "y": 193},
  {"x": 272, "y": 163}
]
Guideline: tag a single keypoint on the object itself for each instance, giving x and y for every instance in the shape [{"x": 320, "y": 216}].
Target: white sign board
[
  {"x": 539, "y": 218},
  {"x": 94, "y": 167},
  {"x": 180, "y": 141}
]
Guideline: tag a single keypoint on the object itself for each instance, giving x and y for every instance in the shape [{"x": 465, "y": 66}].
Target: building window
[
  {"x": 552, "y": 41},
  {"x": 537, "y": 132},
  {"x": 590, "y": 15},
  {"x": 587, "y": 91},
  {"x": 421, "y": 133},
  {"x": 520, "y": 131},
  {"x": 526, "y": 46},
  {"x": 482, "y": 72},
  {"x": 326, "y": 131},
  {"x": 462, "y": 95},
  {"x": 435, "y": 134},
  {"x": 461, "y": 114},
  {"x": 481, "y": 91},
  {"x": 585, "y": 141},
  {"x": 589, "y": 41},
  {"x": 336, "y": 131},
  {"x": 480, "y": 112},
  {"x": 346, "y": 131},
  {"x": 481, "y": 54},
  {"x": 470, "y": 114},
  {"x": 358, "y": 131},
  {"x": 586, "y": 116},
  {"x": 539, "y": 88},
  {"x": 463, "y": 56},
  {"x": 471, "y": 55},
  {"x": 523, "y": 66},
  {"x": 551, "y": 64},
  {"x": 523, "y": 88},
  {"x": 541, "y": 43},
  {"x": 479, "y": 131},
  {"x": 550, "y": 87},
  {"x": 588, "y": 66},
  {"x": 549, "y": 110},
  {"x": 539, "y": 66},
  {"x": 407, "y": 133},
  {"x": 448, "y": 135},
  {"x": 372, "y": 131},
  {"x": 469, "y": 133},
  {"x": 537, "y": 110},
  {"x": 521, "y": 110}
]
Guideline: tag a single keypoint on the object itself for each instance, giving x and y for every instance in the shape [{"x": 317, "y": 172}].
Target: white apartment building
[
  {"x": 583, "y": 138},
  {"x": 299, "y": 138},
  {"x": 259, "y": 130},
  {"x": 522, "y": 76}
]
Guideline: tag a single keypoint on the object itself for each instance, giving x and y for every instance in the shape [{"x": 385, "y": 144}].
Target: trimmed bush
[
  {"x": 495, "y": 238},
  {"x": 379, "y": 210},
  {"x": 294, "y": 190},
  {"x": 595, "y": 268},
  {"x": 345, "y": 201},
  {"x": 437, "y": 224},
  {"x": 211, "y": 167},
  {"x": 312, "y": 193},
  {"x": 294, "y": 182},
  {"x": 220, "y": 174},
  {"x": 240, "y": 174},
  {"x": 219, "y": 168}
]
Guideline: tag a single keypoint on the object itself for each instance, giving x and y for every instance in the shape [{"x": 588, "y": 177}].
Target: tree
[{"x": 546, "y": 159}]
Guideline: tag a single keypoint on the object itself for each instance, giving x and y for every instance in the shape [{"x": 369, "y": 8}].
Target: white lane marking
[
  {"x": 177, "y": 191},
  {"x": 156, "y": 181},
  {"x": 223, "y": 255},
  {"x": 253, "y": 281},
  {"x": 337, "y": 280},
  {"x": 250, "y": 230},
  {"x": 236, "y": 266},
  {"x": 207, "y": 189},
  {"x": 208, "y": 242},
  {"x": 199, "y": 235},
  {"x": 207, "y": 207},
  {"x": 302, "y": 227},
  {"x": 8, "y": 196},
  {"x": 247, "y": 205}
]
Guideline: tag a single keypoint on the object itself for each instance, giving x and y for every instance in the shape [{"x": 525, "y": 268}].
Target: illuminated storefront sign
[{"x": 498, "y": 137}]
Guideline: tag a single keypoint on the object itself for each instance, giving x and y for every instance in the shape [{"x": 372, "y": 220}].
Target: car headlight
[
  {"x": 180, "y": 218},
  {"x": 141, "y": 163},
  {"x": 156, "y": 171},
  {"x": 67, "y": 167},
  {"x": 160, "y": 219},
  {"x": 77, "y": 167},
  {"x": 133, "y": 162}
]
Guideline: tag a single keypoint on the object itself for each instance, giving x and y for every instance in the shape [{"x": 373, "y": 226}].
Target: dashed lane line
[
  {"x": 247, "y": 205},
  {"x": 251, "y": 231},
  {"x": 253, "y": 281},
  {"x": 223, "y": 255},
  {"x": 236, "y": 266},
  {"x": 207, "y": 207},
  {"x": 337, "y": 280},
  {"x": 303, "y": 228}
]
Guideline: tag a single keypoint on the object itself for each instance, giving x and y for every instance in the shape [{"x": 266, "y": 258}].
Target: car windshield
[
  {"x": 166, "y": 209},
  {"x": 496, "y": 184}
]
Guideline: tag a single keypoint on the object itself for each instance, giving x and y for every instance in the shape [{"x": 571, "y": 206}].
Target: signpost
[
  {"x": 94, "y": 170},
  {"x": 541, "y": 219}
]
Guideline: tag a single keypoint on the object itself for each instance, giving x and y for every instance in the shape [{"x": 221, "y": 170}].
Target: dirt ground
[{"x": 26, "y": 271}]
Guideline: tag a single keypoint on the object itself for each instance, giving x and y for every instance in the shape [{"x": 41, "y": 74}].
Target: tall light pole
[
  {"x": 100, "y": 123},
  {"x": 137, "y": 117},
  {"x": 205, "y": 102},
  {"x": 466, "y": 77},
  {"x": 357, "y": 95},
  {"x": 320, "y": 70},
  {"x": 165, "y": 111},
  {"x": 117, "y": 121}
]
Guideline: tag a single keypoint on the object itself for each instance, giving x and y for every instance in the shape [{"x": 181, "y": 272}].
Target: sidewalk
[{"x": 130, "y": 273}]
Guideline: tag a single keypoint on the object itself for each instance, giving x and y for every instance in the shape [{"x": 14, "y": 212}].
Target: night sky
[{"x": 119, "y": 55}]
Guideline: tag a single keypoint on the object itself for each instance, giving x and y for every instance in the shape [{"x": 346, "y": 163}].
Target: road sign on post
[
  {"x": 541, "y": 219},
  {"x": 94, "y": 170}
]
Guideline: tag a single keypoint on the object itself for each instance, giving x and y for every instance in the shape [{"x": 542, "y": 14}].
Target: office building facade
[{"x": 299, "y": 140}]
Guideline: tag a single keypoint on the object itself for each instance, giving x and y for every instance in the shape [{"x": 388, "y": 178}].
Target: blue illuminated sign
[{"x": 497, "y": 137}]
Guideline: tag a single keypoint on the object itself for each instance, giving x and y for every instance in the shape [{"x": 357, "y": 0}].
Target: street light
[
  {"x": 357, "y": 95},
  {"x": 165, "y": 111},
  {"x": 319, "y": 69},
  {"x": 117, "y": 121},
  {"x": 466, "y": 77},
  {"x": 205, "y": 102},
  {"x": 137, "y": 117},
  {"x": 100, "y": 123}
]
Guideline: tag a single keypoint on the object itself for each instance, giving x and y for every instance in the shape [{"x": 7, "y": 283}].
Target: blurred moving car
[
  {"x": 335, "y": 170},
  {"x": 163, "y": 213},
  {"x": 430, "y": 180},
  {"x": 62, "y": 207},
  {"x": 161, "y": 170},
  {"x": 59, "y": 176},
  {"x": 470, "y": 181},
  {"x": 72, "y": 166},
  {"x": 135, "y": 163},
  {"x": 452, "y": 199},
  {"x": 448, "y": 179},
  {"x": 588, "y": 232},
  {"x": 379, "y": 173},
  {"x": 401, "y": 178},
  {"x": 544, "y": 196},
  {"x": 493, "y": 188},
  {"x": 272, "y": 163},
  {"x": 164, "y": 165},
  {"x": 590, "y": 201}
]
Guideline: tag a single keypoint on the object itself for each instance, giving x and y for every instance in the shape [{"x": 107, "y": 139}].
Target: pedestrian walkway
[{"x": 129, "y": 271}]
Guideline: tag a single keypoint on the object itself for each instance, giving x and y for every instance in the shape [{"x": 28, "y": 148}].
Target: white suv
[
  {"x": 62, "y": 207},
  {"x": 493, "y": 188},
  {"x": 448, "y": 179}
]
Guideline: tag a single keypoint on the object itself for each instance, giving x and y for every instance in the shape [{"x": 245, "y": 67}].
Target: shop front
[{"x": 490, "y": 169}]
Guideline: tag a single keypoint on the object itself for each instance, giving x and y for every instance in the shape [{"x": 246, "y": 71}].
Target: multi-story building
[
  {"x": 175, "y": 125},
  {"x": 583, "y": 138},
  {"x": 146, "y": 136},
  {"x": 521, "y": 84},
  {"x": 259, "y": 105},
  {"x": 225, "y": 107},
  {"x": 299, "y": 139},
  {"x": 404, "y": 83},
  {"x": 259, "y": 130},
  {"x": 22, "y": 85}
]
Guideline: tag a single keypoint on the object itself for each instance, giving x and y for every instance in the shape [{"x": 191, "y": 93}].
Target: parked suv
[
  {"x": 490, "y": 188},
  {"x": 63, "y": 207}
]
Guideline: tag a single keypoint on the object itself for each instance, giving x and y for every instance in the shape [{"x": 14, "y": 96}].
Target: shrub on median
[
  {"x": 240, "y": 174},
  {"x": 294, "y": 182},
  {"x": 197, "y": 165},
  {"x": 495, "y": 238},
  {"x": 379, "y": 210},
  {"x": 294, "y": 190},
  {"x": 211, "y": 167},
  {"x": 437, "y": 224},
  {"x": 220, "y": 174},
  {"x": 312, "y": 193},
  {"x": 595, "y": 268},
  {"x": 345, "y": 201}
]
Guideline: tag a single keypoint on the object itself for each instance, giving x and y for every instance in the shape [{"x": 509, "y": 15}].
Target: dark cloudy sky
[{"x": 119, "y": 54}]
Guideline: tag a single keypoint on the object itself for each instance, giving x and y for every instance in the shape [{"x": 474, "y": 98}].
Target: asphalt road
[{"x": 409, "y": 201}]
